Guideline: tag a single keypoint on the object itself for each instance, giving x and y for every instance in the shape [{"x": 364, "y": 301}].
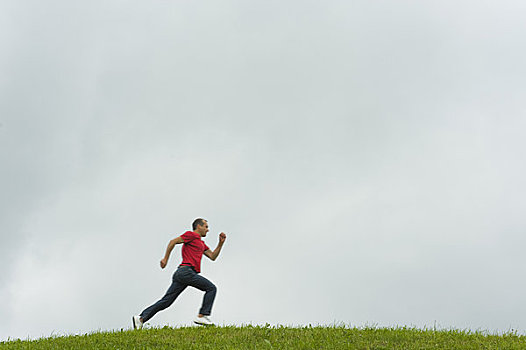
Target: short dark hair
[{"x": 199, "y": 222}]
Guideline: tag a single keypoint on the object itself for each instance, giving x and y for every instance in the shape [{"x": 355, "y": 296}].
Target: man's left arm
[{"x": 212, "y": 255}]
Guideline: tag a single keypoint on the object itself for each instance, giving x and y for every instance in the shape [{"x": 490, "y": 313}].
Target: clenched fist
[
  {"x": 163, "y": 263},
  {"x": 222, "y": 237}
]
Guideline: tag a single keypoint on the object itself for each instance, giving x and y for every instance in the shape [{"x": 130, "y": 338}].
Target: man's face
[{"x": 202, "y": 229}]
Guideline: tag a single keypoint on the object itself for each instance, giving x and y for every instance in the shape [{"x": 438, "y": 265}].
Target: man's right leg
[
  {"x": 171, "y": 294},
  {"x": 210, "y": 290}
]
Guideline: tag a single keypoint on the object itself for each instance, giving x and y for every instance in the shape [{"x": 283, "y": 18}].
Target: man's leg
[
  {"x": 171, "y": 294},
  {"x": 210, "y": 290}
]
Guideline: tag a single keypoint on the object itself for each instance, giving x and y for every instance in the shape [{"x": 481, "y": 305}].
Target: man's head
[{"x": 200, "y": 226}]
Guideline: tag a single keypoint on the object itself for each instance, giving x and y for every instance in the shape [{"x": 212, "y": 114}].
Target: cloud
[{"x": 364, "y": 160}]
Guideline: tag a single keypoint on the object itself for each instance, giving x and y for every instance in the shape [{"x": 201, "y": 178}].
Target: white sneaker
[
  {"x": 203, "y": 321},
  {"x": 137, "y": 323}
]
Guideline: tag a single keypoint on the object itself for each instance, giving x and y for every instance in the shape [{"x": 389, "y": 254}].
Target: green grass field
[{"x": 260, "y": 337}]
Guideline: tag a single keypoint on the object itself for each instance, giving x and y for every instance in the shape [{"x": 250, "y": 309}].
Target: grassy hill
[{"x": 256, "y": 337}]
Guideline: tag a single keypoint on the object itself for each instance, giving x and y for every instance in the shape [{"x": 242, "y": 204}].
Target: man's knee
[{"x": 212, "y": 288}]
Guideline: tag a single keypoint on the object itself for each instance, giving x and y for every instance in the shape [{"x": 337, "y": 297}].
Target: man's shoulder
[{"x": 190, "y": 235}]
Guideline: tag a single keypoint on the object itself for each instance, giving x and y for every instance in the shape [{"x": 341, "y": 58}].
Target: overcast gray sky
[{"x": 365, "y": 159}]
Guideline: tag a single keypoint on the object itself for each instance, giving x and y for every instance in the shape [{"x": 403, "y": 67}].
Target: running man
[{"x": 187, "y": 274}]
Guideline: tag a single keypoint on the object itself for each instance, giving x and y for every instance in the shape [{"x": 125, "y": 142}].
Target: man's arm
[
  {"x": 169, "y": 249},
  {"x": 212, "y": 255}
]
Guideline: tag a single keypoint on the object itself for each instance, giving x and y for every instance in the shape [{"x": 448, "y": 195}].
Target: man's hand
[
  {"x": 212, "y": 255},
  {"x": 164, "y": 261}
]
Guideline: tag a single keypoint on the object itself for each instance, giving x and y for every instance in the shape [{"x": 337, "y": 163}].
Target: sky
[{"x": 364, "y": 158}]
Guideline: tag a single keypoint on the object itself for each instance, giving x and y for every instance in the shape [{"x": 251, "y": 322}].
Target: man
[{"x": 187, "y": 274}]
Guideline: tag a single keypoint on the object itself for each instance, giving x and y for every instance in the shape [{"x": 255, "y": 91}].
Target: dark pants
[{"x": 183, "y": 277}]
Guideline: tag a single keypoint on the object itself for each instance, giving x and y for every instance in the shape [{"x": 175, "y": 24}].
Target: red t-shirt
[{"x": 193, "y": 249}]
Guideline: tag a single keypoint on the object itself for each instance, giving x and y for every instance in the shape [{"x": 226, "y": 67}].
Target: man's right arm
[{"x": 169, "y": 249}]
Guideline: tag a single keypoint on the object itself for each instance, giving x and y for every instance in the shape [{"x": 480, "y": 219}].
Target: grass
[{"x": 279, "y": 337}]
